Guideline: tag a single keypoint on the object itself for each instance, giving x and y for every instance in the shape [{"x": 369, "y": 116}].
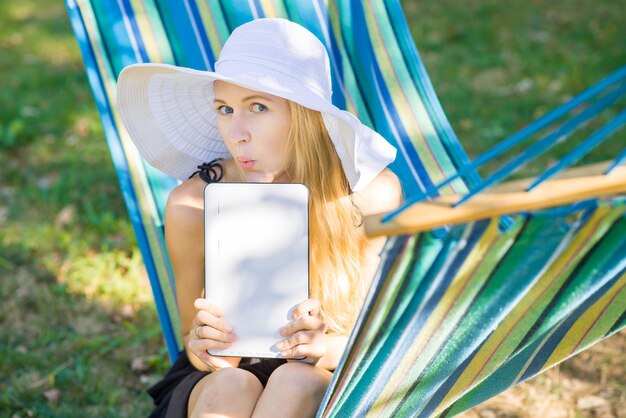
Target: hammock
[{"x": 480, "y": 287}]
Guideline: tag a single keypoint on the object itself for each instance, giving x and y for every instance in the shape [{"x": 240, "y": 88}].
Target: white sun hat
[{"x": 169, "y": 113}]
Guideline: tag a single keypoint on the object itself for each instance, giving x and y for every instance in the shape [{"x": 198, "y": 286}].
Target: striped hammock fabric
[{"x": 455, "y": 315}]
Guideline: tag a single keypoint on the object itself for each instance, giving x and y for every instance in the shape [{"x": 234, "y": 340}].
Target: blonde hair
[{"x": 336, "y": 244}]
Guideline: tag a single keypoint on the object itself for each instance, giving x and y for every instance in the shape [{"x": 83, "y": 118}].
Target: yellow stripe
[
  {"x": 209, "y": 20},
  {"x": 147, "y": 34},
  {"x": 571, "y": 342},
  {"x": 269, "y": 8}
]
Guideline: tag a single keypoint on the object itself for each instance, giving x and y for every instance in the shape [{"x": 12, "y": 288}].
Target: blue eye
[
  {"x": 224, "y": 110},
  {"x": 258, "y": 107}
]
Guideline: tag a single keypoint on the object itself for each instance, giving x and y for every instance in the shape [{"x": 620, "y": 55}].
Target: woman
[{"x": 264, "y": 115}]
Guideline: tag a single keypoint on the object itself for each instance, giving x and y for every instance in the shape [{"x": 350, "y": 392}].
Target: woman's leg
[
  {"x": 293, "y": 390},
  {"x": 229, "y": 392}
]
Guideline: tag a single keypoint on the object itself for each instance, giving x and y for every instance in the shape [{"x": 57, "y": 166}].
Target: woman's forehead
[{"x": 224, "y": 91}]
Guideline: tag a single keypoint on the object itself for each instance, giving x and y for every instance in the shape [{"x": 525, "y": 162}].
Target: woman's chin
[{"x": 261, "y": 177}]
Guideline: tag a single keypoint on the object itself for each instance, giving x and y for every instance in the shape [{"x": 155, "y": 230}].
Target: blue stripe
[
  {"x": 582, "y": 149},
  {"x": 258, "y": 11},
  {"x": 202, "y": 34},
  {"x": 108, "y": 14},
  {"x": 188, "y": 51},
  {"x": 127, "y": 11},
  {"x": 619, "y": 160}
]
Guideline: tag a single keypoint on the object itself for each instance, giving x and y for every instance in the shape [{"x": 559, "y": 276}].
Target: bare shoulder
[
  {"x": 188, "y": 193},
  {"x": 382, "y": 194},
  {"x": 184, "y": 209}
]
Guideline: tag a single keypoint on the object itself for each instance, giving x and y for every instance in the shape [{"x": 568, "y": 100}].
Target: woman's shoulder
[
  {"x": 185, "y": 203},
  {"x": 382, "y": 194},
  {"x": 188, "y": 193}
]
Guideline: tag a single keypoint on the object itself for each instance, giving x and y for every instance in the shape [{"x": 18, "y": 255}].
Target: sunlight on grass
[
  {"x": 25, "y": 18},
  {"x": 112, "y": 279}
]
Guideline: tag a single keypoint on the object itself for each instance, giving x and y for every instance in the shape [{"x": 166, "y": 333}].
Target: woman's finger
[
  {"x": 206, "y": 305},
  {"x": 302, "y": 337},
  {"x": 210, "y": 333},
  {"x": 309, "y": 306},
  {"x": 206, "y": 318},
  {"x": 303, "y": 323},
  {"x": 200, "y": 347},
  {"x": 314, "y": 351}
]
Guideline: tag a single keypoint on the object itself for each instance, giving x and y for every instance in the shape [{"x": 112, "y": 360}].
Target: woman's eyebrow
[
  {"x": 257, "y": 96},
  {"x": 246, "y": 99}
]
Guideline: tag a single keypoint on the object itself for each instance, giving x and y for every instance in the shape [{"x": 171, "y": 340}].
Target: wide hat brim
[{"x": 169, "y": 114}]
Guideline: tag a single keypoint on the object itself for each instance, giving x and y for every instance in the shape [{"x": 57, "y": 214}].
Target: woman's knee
[
  {"x": 300, "y": 378},
  {"x": 225, "y": 389},
  {"x": 233, "y": 380}
]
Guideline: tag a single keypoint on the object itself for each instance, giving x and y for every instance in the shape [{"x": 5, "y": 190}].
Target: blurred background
[{"x": 78, "y": 330}]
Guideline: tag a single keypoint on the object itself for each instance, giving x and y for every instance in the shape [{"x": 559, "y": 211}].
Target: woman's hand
[
  {"x": 211, "y": 332},
  {"x": 306, "y": 334}
]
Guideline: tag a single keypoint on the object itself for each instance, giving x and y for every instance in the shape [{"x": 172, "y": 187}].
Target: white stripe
[
  {"x": 129, "y": 31},
  {"x": 253, "y": 9}
]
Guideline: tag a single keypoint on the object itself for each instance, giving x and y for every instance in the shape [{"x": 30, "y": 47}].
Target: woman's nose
[{"x": 238, "y": 132}]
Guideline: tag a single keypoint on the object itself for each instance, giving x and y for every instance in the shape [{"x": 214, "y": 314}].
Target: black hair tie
[{"x": 211, "y": 172}]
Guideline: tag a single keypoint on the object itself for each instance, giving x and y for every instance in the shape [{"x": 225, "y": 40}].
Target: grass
[
  {"x": 79, "y": 334},
  {"x": 77, "y": 309}
]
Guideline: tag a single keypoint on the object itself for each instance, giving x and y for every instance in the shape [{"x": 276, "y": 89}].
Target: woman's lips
[{"x": 246, "y": 163}]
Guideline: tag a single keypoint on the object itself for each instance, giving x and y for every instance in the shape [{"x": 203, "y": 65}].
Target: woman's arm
[
  {"x": 185, "y": 247},
  {"x": 184, "y": 237}
]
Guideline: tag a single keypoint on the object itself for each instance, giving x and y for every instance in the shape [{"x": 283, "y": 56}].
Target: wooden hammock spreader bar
[{"x": 572, "y": 186}]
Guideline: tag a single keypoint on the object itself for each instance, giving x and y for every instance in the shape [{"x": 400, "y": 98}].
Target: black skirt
[{"x": 171, "y": 394}]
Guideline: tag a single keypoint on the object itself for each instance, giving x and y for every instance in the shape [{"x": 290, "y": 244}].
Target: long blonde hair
[{"x": 336, "y": 244}]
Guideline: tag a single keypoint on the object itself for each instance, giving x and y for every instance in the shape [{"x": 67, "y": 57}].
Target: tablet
[{"x": 256, "y": 260}]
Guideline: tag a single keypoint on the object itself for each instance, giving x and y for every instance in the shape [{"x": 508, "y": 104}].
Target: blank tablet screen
[{"x": 256, "y": 259}]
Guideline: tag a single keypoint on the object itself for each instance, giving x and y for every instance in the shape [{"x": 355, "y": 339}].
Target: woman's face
[{"x": 254, "y": 127}]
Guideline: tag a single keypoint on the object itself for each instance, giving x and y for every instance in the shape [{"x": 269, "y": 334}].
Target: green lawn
[{"x": 78, "y": 330}]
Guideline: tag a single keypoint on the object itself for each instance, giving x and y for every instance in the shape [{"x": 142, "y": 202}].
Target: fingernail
[
  {"x": 280, "y": 345},
  {"x": 283, "y": 353},
  {"x": 232, "y": 337},
  {"x": 228, "y": 328},
  {"x": 283, "y": 331}
]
